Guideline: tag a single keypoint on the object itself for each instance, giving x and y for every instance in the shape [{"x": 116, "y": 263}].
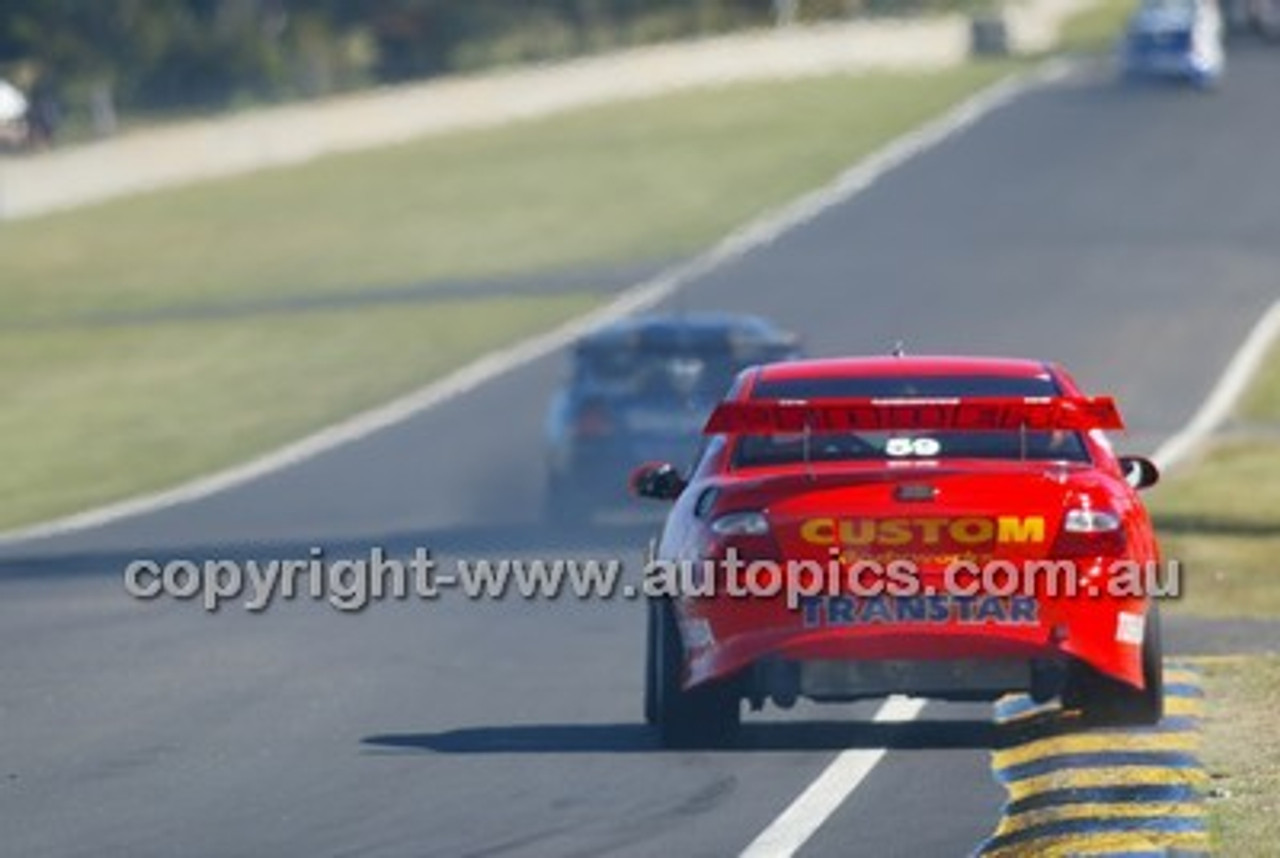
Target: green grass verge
[
  {"x": 94, "y": 414},
  {"x": 1241, "y": 751},
  {"x": 1221, "y": 521},
  {"x": 1221, "y": 517},
  {"x": 648, "y": 179},
  {"x": 1096, "y": 29}
]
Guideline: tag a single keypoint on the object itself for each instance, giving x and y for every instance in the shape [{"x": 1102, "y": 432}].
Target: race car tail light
[
  {"x": 593, "y": 421},
  {"x": 1088, "y": 532},
  {"x": 746, "y": 536},
  {"x": 747, "y": 533},
  {"x": 741, "y": 524}
]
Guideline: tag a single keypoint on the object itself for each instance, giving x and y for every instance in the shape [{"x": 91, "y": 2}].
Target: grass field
[
  {"x": 96, "y": 414},
  {"x": 1221, "y": 516},
  {"x": 637, "y": 180},
  {"x": 1242, "y": 754},
  {"x": 1097, "y": 28},
  {"x": 97, "y": 409},
  {"x": 1221, "y": 520}
]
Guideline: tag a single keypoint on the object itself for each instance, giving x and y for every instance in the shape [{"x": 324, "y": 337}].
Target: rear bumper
[
  {"x": 1171, "y": 64},
  {"x": 725, "y": 640},
  {"x": 834, "y": 680}
]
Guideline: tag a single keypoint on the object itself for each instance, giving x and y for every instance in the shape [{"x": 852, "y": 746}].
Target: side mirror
[
  {"x": 657, "y": 480},
  {"x": 1139, "y": 472}
]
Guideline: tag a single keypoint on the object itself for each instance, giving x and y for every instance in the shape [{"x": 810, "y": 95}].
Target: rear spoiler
[{"x": 969, "y": 414}]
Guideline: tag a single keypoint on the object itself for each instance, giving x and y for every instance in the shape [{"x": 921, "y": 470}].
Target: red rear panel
[{"x": 901, "y": 529}]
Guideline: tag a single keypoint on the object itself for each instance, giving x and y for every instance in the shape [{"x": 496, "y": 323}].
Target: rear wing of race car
[{"x": 969, "y": 414}]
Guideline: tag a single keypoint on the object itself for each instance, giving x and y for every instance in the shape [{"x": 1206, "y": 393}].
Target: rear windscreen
[
  {"x": 703, "y": 374},
  {"x": 908, "y": 445}
]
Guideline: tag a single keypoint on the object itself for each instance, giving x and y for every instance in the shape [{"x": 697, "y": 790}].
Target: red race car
[{"x": 954, "y": 528}]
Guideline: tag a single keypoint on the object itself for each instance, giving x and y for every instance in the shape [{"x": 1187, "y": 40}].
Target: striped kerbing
[{"x": 1078, "y": 791}]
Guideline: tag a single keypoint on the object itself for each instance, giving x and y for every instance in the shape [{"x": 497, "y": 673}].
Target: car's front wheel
[{"x": 707, "y": 716}]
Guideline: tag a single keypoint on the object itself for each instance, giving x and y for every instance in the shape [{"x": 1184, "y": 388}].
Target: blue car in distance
[
  {"x": 639, "y": 391},
  {"x": 1177, "y": 39}
]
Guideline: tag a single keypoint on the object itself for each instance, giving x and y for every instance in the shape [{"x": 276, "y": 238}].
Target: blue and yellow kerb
[{"x": 1075, "y": 791}]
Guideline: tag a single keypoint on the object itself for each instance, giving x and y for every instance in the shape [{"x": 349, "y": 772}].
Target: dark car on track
[
  {"x": 640, "y": 390},
  {"x": 1175, "y": 39}
]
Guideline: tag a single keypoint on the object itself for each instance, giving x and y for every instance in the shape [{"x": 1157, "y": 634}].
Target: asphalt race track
[{"x": 1130, "y": 233}]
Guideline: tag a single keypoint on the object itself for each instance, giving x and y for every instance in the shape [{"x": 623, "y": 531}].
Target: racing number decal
[{"x": 912, "y": 447}]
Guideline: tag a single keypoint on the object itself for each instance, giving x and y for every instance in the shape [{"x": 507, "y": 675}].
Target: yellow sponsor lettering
[
  {"x": 898, "y": 532},
  {"x": 931, "y": 529},
  {"x": 819, "y": 531},
  {"x": 894, "y": 531},
  {"x": 1013, "y": 528},
  {"x": 971, "y": 531},
  {"x": 860, "y": 531}
]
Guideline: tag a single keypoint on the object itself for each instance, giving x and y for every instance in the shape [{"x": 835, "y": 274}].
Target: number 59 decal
[{"x": 912, "y": 447}]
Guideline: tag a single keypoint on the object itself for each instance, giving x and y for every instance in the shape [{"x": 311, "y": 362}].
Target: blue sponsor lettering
[
  {"x": 919, "y": 610},
  {"x": 877, "y": 610},
  {"x": 840, "y": 610},
  {"x": 1024, "y": 609},
  {"x": 911, "y": 610},
  {"x": 939, "y": 609},
  {"x": 989, "y": 610},
  {"x": 812, "y": 607}
]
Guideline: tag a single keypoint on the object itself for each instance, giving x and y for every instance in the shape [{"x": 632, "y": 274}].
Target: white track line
[
  {"x": 752, "y": 235},
  {"x": 1225, "y": 392},
  {"x": 805, "y": 815}
]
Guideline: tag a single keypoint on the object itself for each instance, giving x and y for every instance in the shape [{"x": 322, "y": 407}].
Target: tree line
[{"x": 158, "y": 56}]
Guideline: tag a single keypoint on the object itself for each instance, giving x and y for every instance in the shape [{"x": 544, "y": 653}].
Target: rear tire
[
  {"x": 708, "y": 716},
  {"x": 1206, "y": 81},
  {"x": 1108, "y": 702}
]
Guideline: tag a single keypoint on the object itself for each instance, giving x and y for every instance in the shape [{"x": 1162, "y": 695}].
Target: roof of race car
[
  {"x": 687, "y": 329},
  {"x": 871, "y": 367}
]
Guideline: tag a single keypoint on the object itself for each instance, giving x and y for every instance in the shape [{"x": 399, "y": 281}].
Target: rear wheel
[
  {"x": 707, "y": 716},
  {"x": 1106, "y": 701},
  {"x": 1205, "y": 81}
]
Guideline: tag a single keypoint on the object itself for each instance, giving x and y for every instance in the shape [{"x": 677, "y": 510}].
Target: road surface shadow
[{"x": 637, "y": 738}]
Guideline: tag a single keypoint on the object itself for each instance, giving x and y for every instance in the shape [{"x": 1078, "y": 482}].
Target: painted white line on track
[
  {"x": 1215, "y": 409},
  {"x": 757, "y": 233},
  {"x": 805, "y": 815}
]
